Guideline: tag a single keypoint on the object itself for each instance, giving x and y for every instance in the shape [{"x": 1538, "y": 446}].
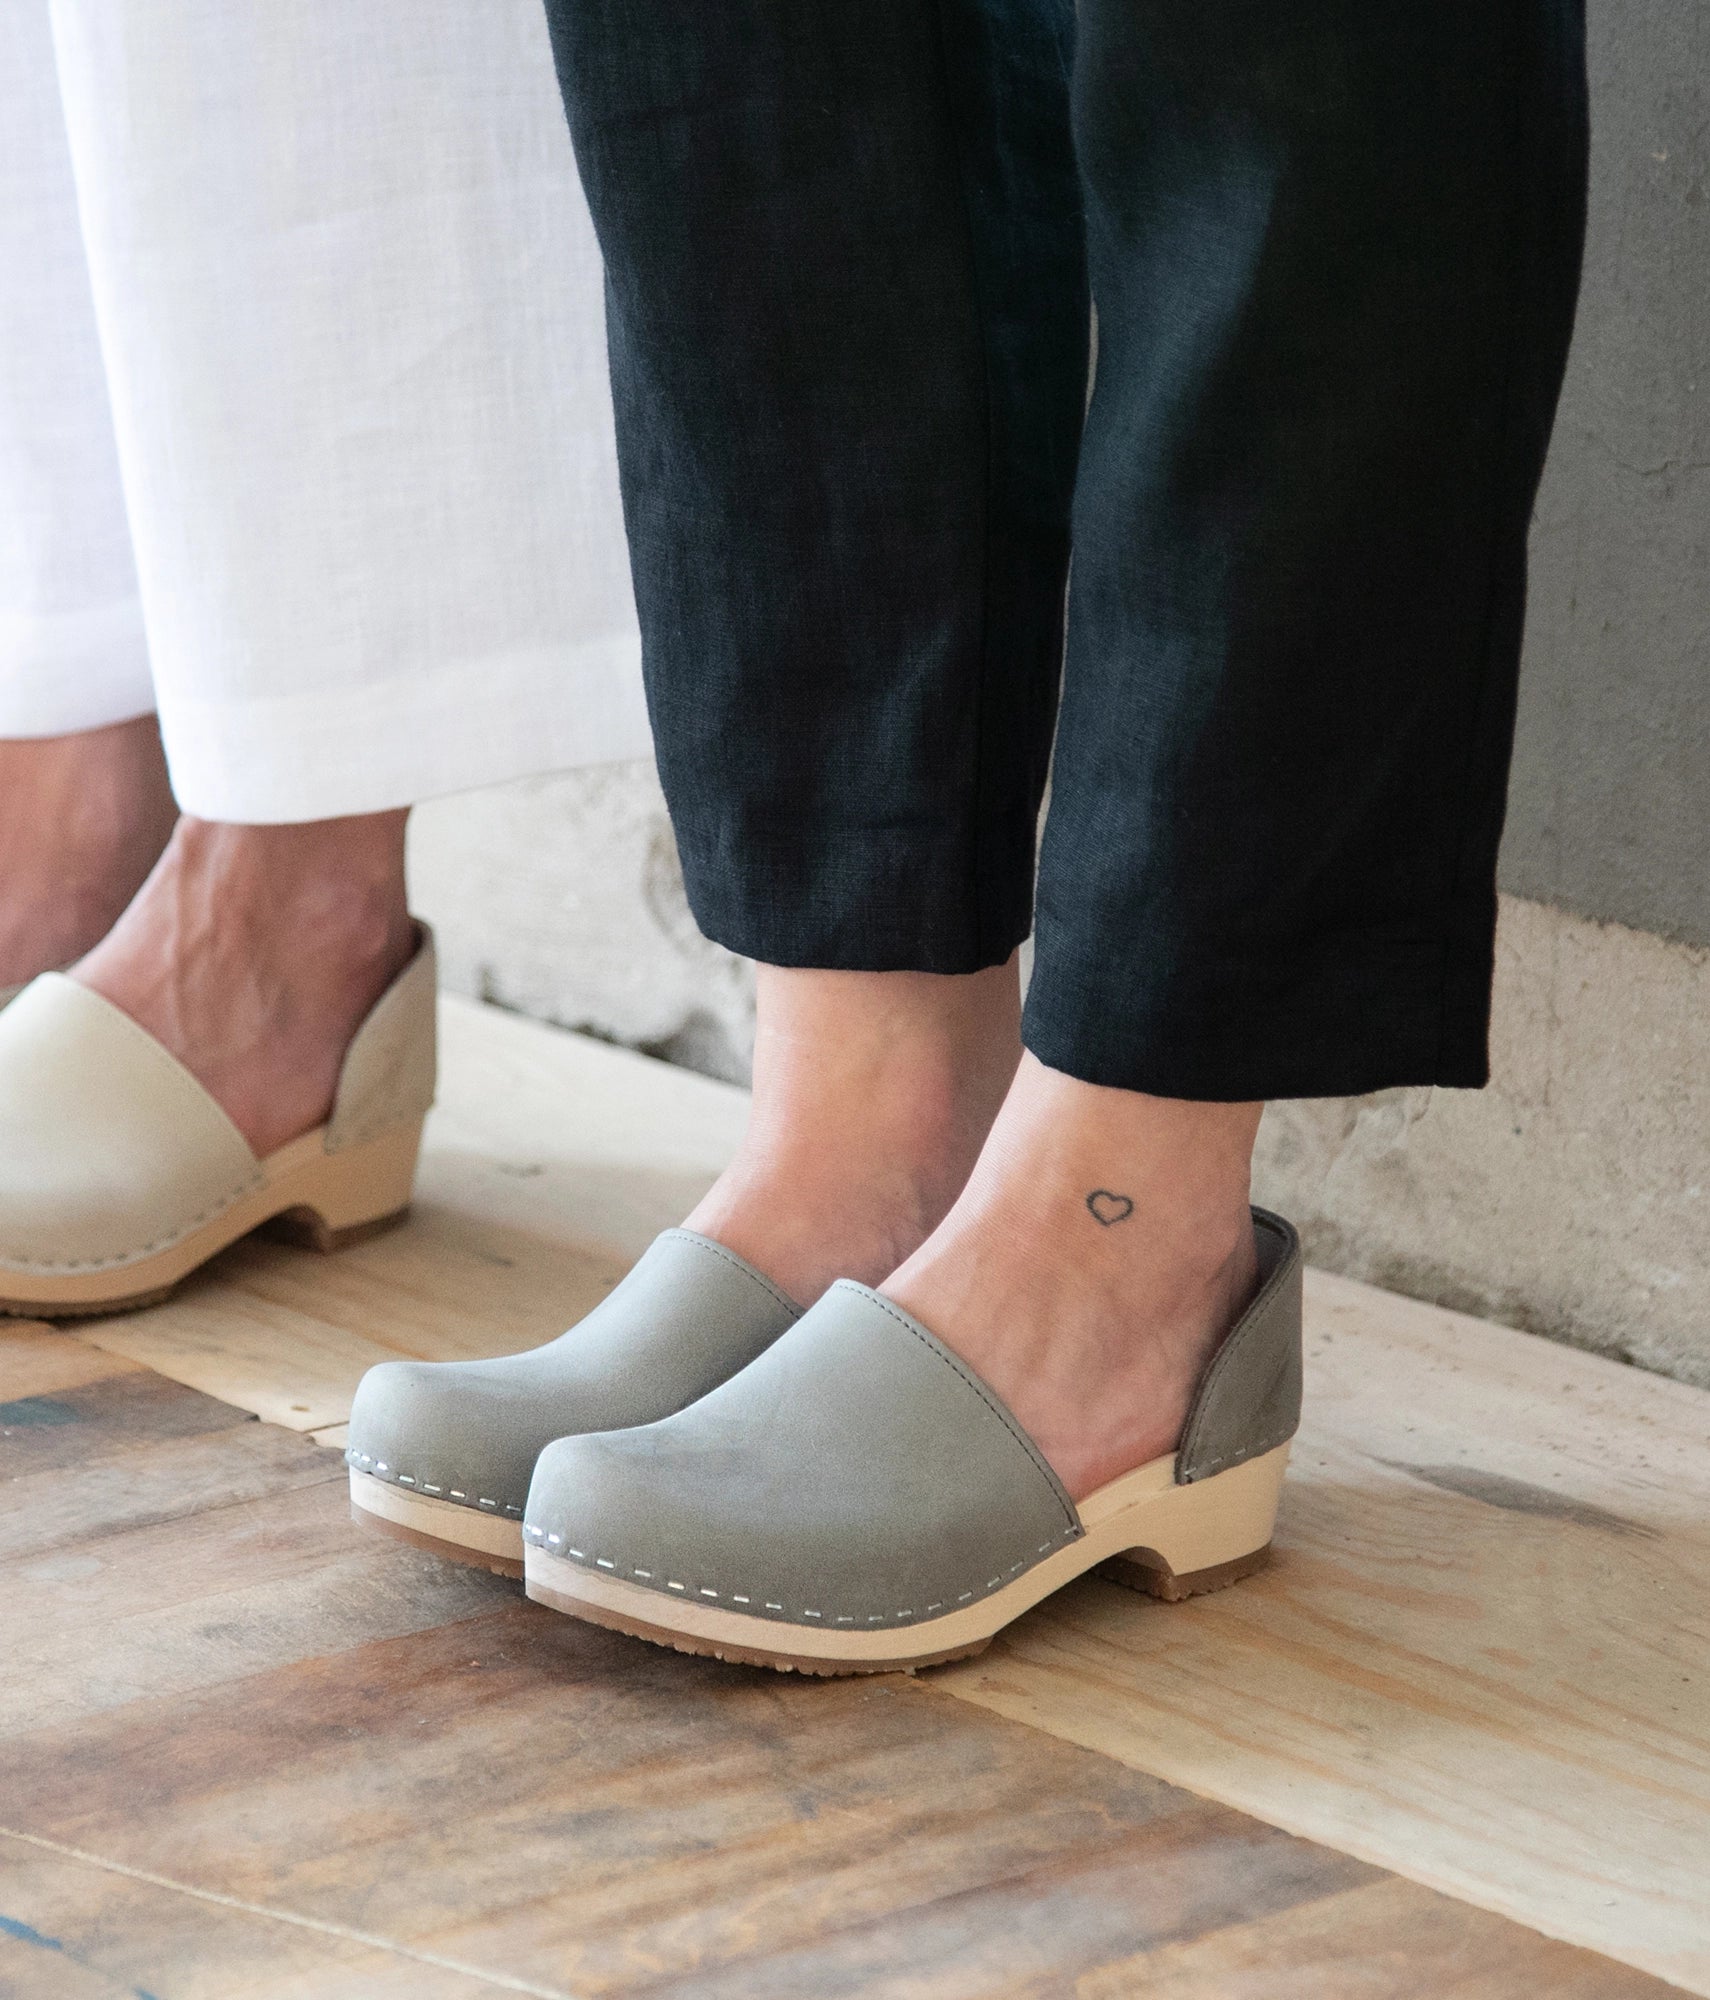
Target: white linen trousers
[{"x": 305, "y": 432}]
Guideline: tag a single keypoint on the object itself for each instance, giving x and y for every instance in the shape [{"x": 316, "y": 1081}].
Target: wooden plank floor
[
  {"x": 249, "y": 1753},
  {"x": 1478, "y": 1661},
  {"x": 1483, "y": 1653}
]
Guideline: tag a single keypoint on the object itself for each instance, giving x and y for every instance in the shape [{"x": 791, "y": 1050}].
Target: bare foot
[
  {"x": 1100, "y": 1251},
  {"x": 873, "y": 1092},
  {"x": 254, "y": 952},
  {"x": 83, "y": 819}
]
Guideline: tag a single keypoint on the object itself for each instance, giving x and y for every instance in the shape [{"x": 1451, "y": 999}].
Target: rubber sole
[
  {"x": 1173, "y": 1542},
  {"x": 466, "y": 1535},
  {"x": 319, "y": 1200}
]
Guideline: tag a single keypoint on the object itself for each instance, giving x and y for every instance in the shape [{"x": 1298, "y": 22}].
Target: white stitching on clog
[
  {"x": 16, "y": 1261},
  {"x": 1257, "y": 1449},
  {"x": 363, "y": 1461},
  {"x": 772, "y": 1604}
]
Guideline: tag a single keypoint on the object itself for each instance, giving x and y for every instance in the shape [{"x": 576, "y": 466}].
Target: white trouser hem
[
  {"x": 373, "y": 747},
  {"x": 73, "y": 670}
]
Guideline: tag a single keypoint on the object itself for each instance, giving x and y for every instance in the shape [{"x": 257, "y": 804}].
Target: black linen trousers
[{"x": 1334, "y": 248}]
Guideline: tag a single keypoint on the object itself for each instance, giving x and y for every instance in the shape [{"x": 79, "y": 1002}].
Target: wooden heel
[
  {"x": 347, "y": 1196},
  {"x": 303, "y": 1229},
  {"x": 1146, "y": 1570},
  {"x": 1198, "y": 1536}
]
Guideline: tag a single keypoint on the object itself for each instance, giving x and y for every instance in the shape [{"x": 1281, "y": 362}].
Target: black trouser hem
[
  {"x": 1338, "y": 1032},
  {"x": 865, "y": 902}
]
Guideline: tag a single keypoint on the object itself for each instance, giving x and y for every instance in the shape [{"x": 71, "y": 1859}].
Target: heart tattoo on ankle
[{"x": 1107, "y": 1208}]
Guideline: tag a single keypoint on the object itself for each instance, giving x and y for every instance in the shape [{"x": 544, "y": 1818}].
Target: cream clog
[{"x": 120, "y": 1174}]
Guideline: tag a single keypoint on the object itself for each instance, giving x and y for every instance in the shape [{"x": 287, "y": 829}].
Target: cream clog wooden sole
[{"x": 319, "y": 1200}]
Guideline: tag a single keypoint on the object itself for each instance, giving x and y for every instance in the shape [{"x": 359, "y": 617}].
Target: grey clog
[
  {"x": 441, "y": 1453},
  {"x": 858, "y": 1500}
]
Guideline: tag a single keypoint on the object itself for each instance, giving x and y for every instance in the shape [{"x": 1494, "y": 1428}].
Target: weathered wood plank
[
  {"x": 73, "y": 1930},
  {"x": 284, "y": 1724},
  {"x": 1479, "y": 1660},
  {"x": 44, "y": 1512},
  {"x": 517, "y": 1789},
  {"x": 1388, "y": 1940},
  {"x": 554, "y": 1133},
  {"x": 89, "y": 1422},
  {"x": 184, "y": 1586},
  {"x": 1480, "y": 1656},
  {"x": 289, "y": 1365},
  {"x": 287, "y": 1335},
  {"x": 37, "y": 1360}
]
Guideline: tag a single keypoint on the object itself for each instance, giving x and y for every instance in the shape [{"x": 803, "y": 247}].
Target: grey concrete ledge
[{"x": 1572, "y": 1197}]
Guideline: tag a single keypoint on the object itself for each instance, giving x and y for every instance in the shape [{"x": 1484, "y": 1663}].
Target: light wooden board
[
  {"x": 1486, "y": 1671},
  {"x": 248, "y": 1753},
  {"x": 1483, "y": 1654},
  {"x": 76, "y": 1927}
]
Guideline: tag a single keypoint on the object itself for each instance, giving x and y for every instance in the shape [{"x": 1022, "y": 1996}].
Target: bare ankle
[
  {"x": 253, "y": 954},
  {"x": 1102, "y": 1249},
  {"x": 83, "y": 818},
  {"x": 873, "y": 1093},
  {"x": 321, "y": 900}
]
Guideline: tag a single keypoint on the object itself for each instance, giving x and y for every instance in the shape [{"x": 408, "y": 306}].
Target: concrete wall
[
  {"x": 1609, "y": 814},
  {"x": 1573, "y": 1197},
  {"x": 561, "y": 897}
]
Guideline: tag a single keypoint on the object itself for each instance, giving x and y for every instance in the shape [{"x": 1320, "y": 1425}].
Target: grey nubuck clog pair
[{"x": 701, "y": 1464}]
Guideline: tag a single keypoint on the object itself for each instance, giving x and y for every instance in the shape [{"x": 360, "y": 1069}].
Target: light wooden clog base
[
  {"x": 488, "y": 1541},
  {"x": 1173, "y": 1542}
]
